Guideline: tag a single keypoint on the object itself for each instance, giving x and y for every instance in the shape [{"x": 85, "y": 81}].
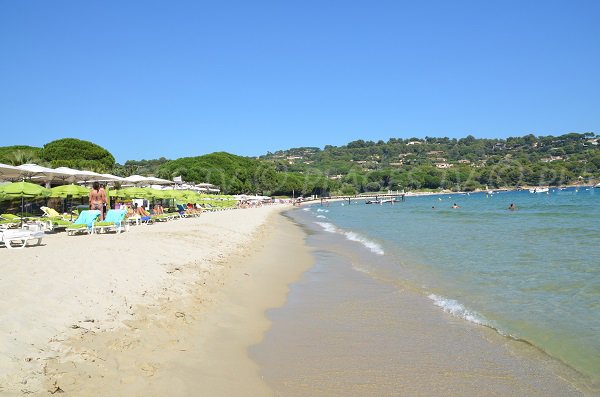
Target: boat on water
[
  {"x": 539, "y": 190},
  {"x": 597, "y": 186}
]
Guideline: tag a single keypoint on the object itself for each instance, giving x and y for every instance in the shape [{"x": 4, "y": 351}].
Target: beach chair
[
  {"x": 114, "y": 221},
  {"x": 58, "y": 224},
  {"x": 52, "y": 213},
  {"x": 20, "y": 236},
  {"x": 183, "y": 211},
  {"x": 84, "y": 223}
]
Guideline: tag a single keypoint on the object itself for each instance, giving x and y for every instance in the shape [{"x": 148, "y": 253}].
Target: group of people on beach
[{"x": 98, "y": 199}]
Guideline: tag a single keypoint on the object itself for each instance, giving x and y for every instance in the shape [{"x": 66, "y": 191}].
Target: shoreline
[
  {"x": 191, "y": 326},
  {"x": 125, "y": 323},
  {"x": 418, "y": 346}
]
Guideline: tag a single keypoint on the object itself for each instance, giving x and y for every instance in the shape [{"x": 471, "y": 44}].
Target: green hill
[
  {"x": 360, "y": 166},
  {"x": 432, "y": 163},
  {"x": 234, "y": 174}
]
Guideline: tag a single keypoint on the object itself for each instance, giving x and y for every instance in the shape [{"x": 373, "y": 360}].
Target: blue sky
[{"x": 147, "y": 79}]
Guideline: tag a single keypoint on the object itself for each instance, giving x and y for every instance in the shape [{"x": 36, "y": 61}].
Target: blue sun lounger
[
  {"x": 114, "y": 221},
  {"x": 84, "y": 223}
]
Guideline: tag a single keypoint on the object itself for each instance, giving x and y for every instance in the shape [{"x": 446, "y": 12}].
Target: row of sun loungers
[{"x": 32, "y": 229}]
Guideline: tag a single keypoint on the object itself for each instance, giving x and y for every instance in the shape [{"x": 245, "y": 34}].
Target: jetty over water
[{"x": 366, "y": 196}]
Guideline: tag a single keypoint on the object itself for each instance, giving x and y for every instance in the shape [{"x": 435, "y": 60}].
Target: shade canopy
[
  {"x": 10, "y": 172},
  {"x": 39, "y": 173},
  {"x": 188, "y": 196},
  {"x": 69, "y": 190},
  {"x": 110, "y": 178},
  {"x": 73, "y": 175},
  {"x": 132, "y": 192},
  {"x": 23, "y": 189},
  {"x": 148, "y": 180}
]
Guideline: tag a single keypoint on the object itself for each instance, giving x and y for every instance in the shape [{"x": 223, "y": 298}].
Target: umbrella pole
[{"x": 22, "y": 209}]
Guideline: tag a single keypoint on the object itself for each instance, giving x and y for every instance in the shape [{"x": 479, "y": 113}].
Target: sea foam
[
  {"x": 328, "y": 227},
  {"x": 454, "y": 308},
  {"x": 371, "y": 245},
  {"x": 321, "y": 216}
]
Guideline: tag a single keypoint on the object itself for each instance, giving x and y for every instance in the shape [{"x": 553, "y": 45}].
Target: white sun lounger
[{"x": 10, "y": 237}]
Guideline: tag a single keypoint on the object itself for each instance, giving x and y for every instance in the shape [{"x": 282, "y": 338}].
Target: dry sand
[{"x": 166, "y": 309}]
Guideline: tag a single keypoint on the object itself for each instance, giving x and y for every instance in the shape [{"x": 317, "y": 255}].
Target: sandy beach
[
  {"x": 190, "y": 307},
  {"x": 162, "y": 309}
]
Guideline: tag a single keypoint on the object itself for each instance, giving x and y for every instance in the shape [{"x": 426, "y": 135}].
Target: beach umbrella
[
  {"x": 189, "y": 196},
  {"x": 22, "y": 190},
  {"x": 147, "y": 180},
  {"x": 134, "y": 192},
  {"x": 39, "y": 173},
  {"x": 71, "y": 191},
  {"x": 108, "y": 178},
  {"x": 10, "y": 172},
  {"x": 73, "y": 175},
  {"x": 157, "y": 194}
]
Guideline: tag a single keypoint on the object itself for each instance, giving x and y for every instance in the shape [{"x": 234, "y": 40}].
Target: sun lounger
[
  {"x": 6, "y": 224},
  {"x": 9, "y": 237},
  {"x": 52, "y": 213},
  {"x": 114, "y": 221},
  {"x": 84, "y": 223},
  {"x": 183, "y": 211}
]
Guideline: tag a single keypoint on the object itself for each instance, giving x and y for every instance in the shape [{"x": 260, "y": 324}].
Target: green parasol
[
  {"x": 69, "y": 190},
  {"x": 189, "y": 196},
  {"x": 22, "y": 190},
  {"x": 132, "y": 192},
  {"x": 72, "y": 191}
]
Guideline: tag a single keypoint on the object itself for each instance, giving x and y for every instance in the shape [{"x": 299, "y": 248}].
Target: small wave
[
  {"x": 321, "y": 216},
  {"x": 372, "y": 246},
  {"x": 454, "y": 308},
  {"x": 328, "y": 227},
  {"x": 322, "y": 210},
  {"x": 306, "y": 209}
]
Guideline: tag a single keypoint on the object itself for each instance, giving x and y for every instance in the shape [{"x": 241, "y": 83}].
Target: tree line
[{"x": 428, "y": 163}]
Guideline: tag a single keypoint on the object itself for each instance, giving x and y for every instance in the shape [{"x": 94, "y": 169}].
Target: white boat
[
  {"x": 597, "y": 186},
  {"x": 539, "y": 190}
]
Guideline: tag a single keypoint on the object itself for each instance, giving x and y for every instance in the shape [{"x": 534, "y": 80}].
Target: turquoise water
[{"x": 532, "y": 274}]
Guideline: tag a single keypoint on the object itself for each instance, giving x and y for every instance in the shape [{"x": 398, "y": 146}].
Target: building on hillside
[
  {"x": 443, "y": 165},
  {"x": 551, "y": 159}
]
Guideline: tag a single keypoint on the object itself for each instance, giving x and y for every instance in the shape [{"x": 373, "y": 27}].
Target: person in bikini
[{"x": 96, "y": 199}]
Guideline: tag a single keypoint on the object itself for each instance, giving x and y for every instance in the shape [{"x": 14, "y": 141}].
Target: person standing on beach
[
  {"x": 104, "y": 201},
  {"x": 96, "y": 202}
]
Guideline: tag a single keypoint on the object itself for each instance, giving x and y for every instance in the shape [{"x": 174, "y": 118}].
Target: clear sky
[{"x": 148, "y": 78}]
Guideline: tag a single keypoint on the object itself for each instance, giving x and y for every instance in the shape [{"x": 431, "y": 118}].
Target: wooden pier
[{"x": 366, "y": 196}]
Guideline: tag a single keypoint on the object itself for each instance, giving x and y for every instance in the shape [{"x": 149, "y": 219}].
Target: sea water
[{"x": 532, "y": 274}]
